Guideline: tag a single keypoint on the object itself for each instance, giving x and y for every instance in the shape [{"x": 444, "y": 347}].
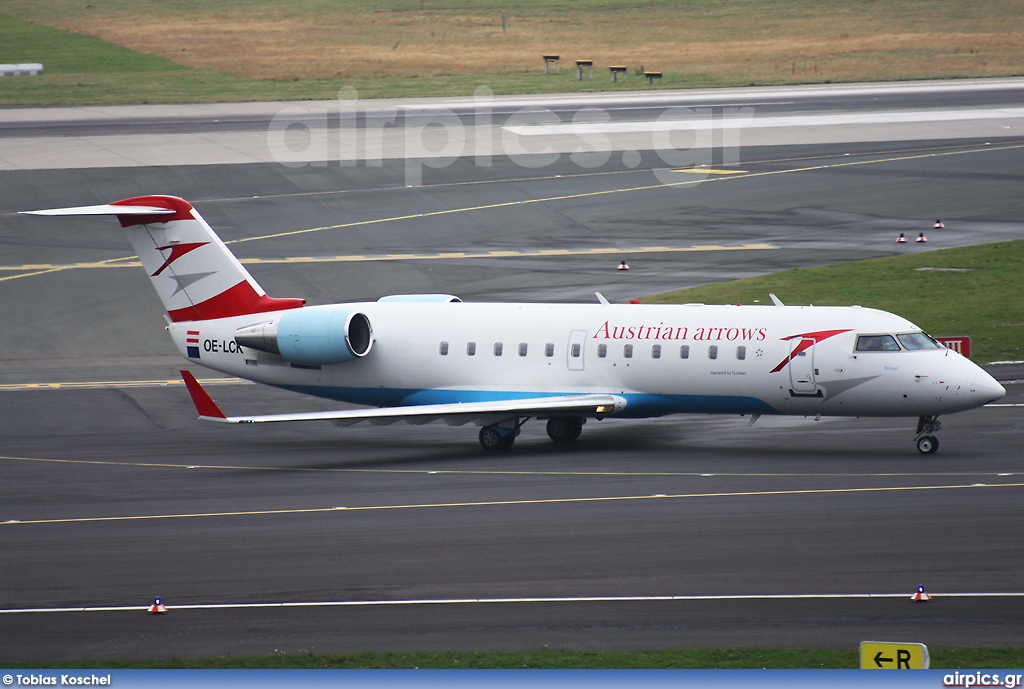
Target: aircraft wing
[{"x": 480, "y": 413}]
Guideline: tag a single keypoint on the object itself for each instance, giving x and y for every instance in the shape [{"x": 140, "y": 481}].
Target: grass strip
[
  {"x": 976, "y": 291},
  {"x": 687, "y": 659},
  {"x": 131, "y": 51}
]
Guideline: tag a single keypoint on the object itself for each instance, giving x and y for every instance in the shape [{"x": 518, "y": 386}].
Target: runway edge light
[
  {"x": 157, "y": 607},
  {"x": 893, "y": 655},
  {"x": 902, "y": 239},
  {"x": 920, "y": 595}
]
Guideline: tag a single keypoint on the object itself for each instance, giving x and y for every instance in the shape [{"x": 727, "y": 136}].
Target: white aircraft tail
[{"x": 194, "y": 273}]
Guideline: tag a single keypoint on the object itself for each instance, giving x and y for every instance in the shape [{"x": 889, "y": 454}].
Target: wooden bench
[
  {"x": 548, "y": 59},
  {"x": 616, "y": 70},
  {"x": 651, "y": 76},
  {"x": 580, "y": 64}
]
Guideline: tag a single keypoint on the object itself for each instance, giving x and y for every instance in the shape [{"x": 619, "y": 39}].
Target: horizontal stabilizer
[
  {"x": 104, "y": 210},
  {"x": 482, "y": 413}
]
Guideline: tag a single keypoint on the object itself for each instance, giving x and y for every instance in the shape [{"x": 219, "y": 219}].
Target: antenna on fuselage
[
  {"x": 600, "y": 298},
  {"x": 776, "y": 300}
]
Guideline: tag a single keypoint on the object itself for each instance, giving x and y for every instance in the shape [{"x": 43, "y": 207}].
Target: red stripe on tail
[{"x": 240, "y": 300}]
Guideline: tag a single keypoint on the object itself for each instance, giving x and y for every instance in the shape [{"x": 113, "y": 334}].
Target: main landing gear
[
  {"x": 927, "y": 443},
  {"x": 564, "y": 429},
  {"x": 494, "y": 438},
  {"x": 561, "y": 429}
]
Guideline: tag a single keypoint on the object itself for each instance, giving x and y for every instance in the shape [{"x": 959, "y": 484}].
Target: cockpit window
[
  {"x": 913, "y": 341},
  {"x": 877, "y": 343}
]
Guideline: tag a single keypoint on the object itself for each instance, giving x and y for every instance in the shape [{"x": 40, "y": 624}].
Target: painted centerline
[
  {"x": 511, "y": 601},
  {"x": 509, "y": 503},
  {"x": 515, "y": 472}
]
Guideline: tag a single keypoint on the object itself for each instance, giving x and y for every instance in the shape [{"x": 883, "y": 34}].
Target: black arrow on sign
[{"x": 879, "y": 659}]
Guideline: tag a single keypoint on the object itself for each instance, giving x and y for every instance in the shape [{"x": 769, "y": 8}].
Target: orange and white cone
[
  {"x": 902, "y": 239},
  {"x": 921, "y": 238},
  {"x": 920, "y": 596},
  {"x": 157, "y": 607}
]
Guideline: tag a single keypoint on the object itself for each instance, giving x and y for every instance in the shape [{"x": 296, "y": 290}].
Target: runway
[{"x": 683, "y": 531}]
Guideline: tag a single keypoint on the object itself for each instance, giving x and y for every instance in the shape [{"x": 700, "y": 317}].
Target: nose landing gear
[{"x": 927, "y": 426}]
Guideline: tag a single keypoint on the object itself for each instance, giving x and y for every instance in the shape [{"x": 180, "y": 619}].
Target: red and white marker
[
  {"x": 623, "y": 266},
  {"x": 157, "y": 607},
  {"x": 902, "y": 239},
  {"x": 921, "y": 238},
  {"x": 938, "y": 225},
  {"x": 920, "y": 596}
]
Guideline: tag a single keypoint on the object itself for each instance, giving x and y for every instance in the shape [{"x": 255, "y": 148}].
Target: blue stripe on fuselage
[{"x": 638, "y": 405}]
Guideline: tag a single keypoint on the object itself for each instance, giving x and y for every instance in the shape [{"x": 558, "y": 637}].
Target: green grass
[
  {"x": 985, "y": 301},
  {"x": 68, "y": 53},
  {"x": 688, "y": 659}
]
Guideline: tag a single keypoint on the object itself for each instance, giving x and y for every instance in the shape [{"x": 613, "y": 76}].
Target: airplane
[{"x": 424, "y": 357}]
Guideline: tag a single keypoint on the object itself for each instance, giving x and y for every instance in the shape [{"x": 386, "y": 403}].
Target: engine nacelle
[{"x": 315, "y": 336}]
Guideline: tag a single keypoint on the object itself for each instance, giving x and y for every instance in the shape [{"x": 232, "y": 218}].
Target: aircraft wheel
[
  {"x": 491, "y": 439},
  {"x": 927, "y": 444},
  {"x": 563, "y": 429}
]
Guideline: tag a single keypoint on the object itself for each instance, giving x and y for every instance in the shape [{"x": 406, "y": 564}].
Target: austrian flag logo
[{"x": 192, "y": 344}]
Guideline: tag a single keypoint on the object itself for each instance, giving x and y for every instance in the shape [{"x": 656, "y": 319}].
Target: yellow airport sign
[{"x": 893, "y": 655}]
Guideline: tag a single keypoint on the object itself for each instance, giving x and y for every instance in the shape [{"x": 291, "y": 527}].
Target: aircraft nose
[{"x": 985, "y": 389}]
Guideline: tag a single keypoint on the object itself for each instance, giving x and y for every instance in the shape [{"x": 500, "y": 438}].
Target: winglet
[{"x": 204, "y": 403}]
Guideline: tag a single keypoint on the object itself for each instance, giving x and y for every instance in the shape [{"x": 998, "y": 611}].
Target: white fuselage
[{"x": 660, "y": 359}]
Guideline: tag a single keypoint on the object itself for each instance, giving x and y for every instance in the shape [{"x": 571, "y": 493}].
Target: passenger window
[
  {"x": 602, "y": 350},
  {"x": 877, "y": 343},
  {"x": 656, "y": 352},
  {"x": 444, "y": 349},
  {"x": 684, "y": 351},
  {"x": 741, "y": 352},
  {"x": 497, "y": 349},
  {"x": 522, "y": 349},
  {"x": 627, "y": 351},
  {"x": 915, "y": 341},
  {"x": 471, "y": 349},
  {"x": 549, "y": 349},
  {"x": 713, "y": 352},
  {"x": 575, "y": 351}
]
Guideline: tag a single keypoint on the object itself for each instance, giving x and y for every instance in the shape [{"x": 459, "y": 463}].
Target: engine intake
[{"x": 316, "y": 336}]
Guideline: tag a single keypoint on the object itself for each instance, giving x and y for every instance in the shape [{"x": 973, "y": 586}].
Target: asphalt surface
[{"x": 112, "y": 494}]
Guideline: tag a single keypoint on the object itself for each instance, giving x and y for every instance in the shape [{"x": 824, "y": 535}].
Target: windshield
[
  {"x": 877, "y": 343},
  {"x": 912, "y": 341}
]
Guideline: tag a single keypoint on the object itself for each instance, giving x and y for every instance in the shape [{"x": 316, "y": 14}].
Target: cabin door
[{"x": 801, "y": 366}]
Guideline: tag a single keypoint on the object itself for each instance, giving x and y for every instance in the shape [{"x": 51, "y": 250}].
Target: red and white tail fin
[{"x": 195, "y": 274}]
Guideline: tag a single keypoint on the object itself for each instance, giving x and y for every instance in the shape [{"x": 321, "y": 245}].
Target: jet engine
[{"x": 316, "y": 336}]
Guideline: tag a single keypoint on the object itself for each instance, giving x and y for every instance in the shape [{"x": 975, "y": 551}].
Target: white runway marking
[
  {"x": 508, "y": 601},
  {"x": 702, "y": 123}
]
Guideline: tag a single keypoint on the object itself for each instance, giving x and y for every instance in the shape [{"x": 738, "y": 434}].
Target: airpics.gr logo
[{"x": 192, "y": 344}]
